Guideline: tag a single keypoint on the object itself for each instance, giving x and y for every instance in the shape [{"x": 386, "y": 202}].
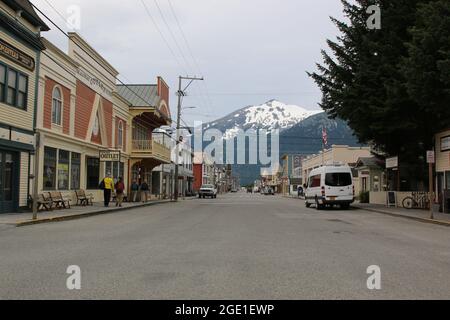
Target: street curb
[
  {"x": 424, "y": 220},
  {"x": 87, "y": 214}
]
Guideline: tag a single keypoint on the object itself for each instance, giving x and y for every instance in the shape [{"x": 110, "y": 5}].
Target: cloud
[{"x": 249, "y": 51}]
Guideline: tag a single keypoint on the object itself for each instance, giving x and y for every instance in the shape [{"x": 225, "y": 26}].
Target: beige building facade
[
  {"x": 442, "y": 149},
  {"x": 20, "y": 54}
]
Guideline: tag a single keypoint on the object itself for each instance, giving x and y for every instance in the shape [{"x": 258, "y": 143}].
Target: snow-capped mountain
[{"x": 270, "y": 115}]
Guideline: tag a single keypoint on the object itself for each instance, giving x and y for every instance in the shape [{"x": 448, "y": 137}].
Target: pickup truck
[{"x": 207, "y": 190}]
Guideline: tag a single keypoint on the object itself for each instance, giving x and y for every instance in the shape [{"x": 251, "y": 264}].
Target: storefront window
[
  {"x": 116, "y": 169},
  {"x": 63, "y": 170},
  {"x": 49, "y": 168},
  {"x": 2, "y": 82},
  {"x": 92, "y": 172},
  {"x": 447, "y": 176},
  {"x": 75, "y": 171},
  {"x": 108, "y": 168}
]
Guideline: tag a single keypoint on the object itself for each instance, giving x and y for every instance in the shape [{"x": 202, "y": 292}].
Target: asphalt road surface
[{"x": 238, "y": 246}]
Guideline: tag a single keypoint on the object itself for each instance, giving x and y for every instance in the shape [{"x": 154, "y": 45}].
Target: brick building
[{"x": 89, "y": 127}]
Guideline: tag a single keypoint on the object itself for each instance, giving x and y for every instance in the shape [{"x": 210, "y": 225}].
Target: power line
[
  {"x": 163, "y": 36},
  {"x": 93, "y": 58},
  {"x": 209, "y": 102},
  {"x": 152, "y": 19},
  {"x": 172, "y": 35}
]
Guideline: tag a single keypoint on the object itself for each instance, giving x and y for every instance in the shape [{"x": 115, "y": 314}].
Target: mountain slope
[
  {"x": 304, "y": 138},
  {"x": 270, "y": 115}
]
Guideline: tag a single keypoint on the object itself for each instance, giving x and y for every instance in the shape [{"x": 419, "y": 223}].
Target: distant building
[
  {"x": 443, "y": 169},
  {"x": 271, "y": 177},
  {"x": 203, "y": 170},
  {"x": 371, "y": 174},
  {"x": 291, "y": 172}
]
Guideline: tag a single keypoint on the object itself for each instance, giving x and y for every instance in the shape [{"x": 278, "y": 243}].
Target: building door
[{"x": 9, "y": 181}]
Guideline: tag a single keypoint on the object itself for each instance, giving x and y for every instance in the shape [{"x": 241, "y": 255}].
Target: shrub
[{"x": 364, "y": 196}]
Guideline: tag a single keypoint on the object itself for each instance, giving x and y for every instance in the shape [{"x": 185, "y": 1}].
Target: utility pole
[
  {"x": 36, "y": 175},
  {"x": 431, "y": 159},
  {"x": 181, "y": 93}
]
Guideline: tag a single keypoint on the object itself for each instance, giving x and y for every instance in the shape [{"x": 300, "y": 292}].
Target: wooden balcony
[{"x": 150, "y": 149}]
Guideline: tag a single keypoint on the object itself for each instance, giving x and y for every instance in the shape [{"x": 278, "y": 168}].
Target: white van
[{"x": 330, "y": 185}]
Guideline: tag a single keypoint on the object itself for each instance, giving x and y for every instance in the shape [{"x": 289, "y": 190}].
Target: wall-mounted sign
[
  {"x": 12, "y": 53},
  {"x": 94, "y": 83},
  {"x": 391, "y": 162},
  {"x": 445, "y": 143},
  {"x": 297, "y": 162},
  {"x": 109, "y": 155},
  {"x": 430, "y": 157}
]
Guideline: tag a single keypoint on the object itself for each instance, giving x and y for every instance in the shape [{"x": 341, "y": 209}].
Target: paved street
[{"x": 238, "y": 246}]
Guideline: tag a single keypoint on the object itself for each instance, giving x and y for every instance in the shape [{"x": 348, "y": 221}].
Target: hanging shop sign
[
  {"x": 109, "y": 155},
  {"x": 391, "y": 162},
  {"x": 15, "y": 55}
]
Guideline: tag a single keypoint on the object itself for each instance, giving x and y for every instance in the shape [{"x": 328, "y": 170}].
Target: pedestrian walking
[
  {"x": 107, "y": 185},
  {"x": 134, "y": 191},
  {"x": 120, "y": 187},
  {"x": 144, "y": 191}
]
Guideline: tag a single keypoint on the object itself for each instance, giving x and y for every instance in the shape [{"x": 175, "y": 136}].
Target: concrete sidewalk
[
  {"x": 75, "y": 212},
  {"x": 415, "y": 214}
]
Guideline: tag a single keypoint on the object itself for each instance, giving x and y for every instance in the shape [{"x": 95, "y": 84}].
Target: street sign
[
  {"x": 391, "y": 162},
  {"x": 109, "y": 155},
  {"x": 431, "y": 157}
]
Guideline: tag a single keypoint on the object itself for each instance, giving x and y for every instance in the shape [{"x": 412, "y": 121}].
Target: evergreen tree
[
  {"x": 427, "y": 67},
  {"x": 363, "y": 82}
]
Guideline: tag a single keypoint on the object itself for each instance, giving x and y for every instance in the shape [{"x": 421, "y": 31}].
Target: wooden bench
[
  {"x": 83, "y": 199},
  {"x": 58, "y": 200},
  {"x": 42, "y": 203}
]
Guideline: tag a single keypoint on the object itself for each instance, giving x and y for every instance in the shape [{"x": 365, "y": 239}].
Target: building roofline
[
  {"x": 77, "y": 39},
  {"x": 49, "y": 45}
]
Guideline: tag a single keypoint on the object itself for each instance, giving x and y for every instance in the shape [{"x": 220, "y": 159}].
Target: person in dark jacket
[
  {"x": 144, "y": 191},
  {"x": 134, "y": 191}
]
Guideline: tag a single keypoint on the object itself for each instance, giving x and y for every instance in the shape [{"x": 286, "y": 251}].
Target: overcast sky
[{"x": 249, "y": 51}]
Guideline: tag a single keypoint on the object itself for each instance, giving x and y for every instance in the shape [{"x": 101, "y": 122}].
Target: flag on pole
[{"x": 324, "y": 137}]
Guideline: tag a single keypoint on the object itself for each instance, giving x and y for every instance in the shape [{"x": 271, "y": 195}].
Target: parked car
[
  {"x": 268, "y": 191},
  {"x": 234, "y": 190},
  {"x": 207, "y": 190},
  {"x": 330, "y": 185}
]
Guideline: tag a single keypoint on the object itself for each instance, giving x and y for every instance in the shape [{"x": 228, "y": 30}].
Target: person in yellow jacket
[{"x": 108, "y": 188}]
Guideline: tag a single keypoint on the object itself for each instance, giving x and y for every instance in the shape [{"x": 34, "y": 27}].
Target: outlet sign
[{"x": 109, "y": 155}]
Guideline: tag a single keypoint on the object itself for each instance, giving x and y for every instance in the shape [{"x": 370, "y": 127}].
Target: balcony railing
[
  {"x": 143, "y": 145},
  {"x": 151, "y": 148}
]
